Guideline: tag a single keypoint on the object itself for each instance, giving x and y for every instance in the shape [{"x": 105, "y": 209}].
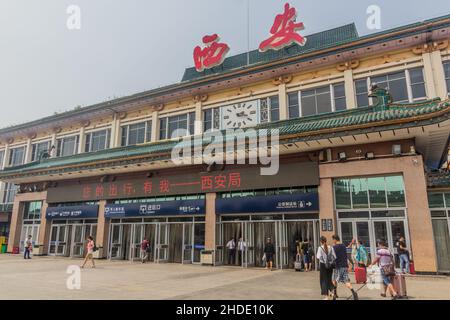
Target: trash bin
[
  {"x": 4, "y": 248},
  {"x": 207, "y": 257}
]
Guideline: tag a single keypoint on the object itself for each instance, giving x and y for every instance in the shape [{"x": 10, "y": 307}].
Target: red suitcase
[
  {"x": 361, "y": 275},
  {"x": 400, "y": 285},
  {"x": 412, "y": 270}
]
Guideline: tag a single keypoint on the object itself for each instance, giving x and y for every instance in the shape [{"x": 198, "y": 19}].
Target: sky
[{"x": 124, "y": 47}]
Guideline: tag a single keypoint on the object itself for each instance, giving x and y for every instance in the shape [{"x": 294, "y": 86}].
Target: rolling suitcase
[
  {"x": 400, "y": 285},
  {"x": 412, "y": 270},
  {"x": 360, "y": 275},
  {"x": 298, "y": 264}
]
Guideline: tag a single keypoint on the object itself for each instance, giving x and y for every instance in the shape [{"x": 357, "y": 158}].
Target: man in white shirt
[
  {"x": 241, "y": 249},
  {"x": 28, "y": 247},
  {"x": 231, "y": 246}
]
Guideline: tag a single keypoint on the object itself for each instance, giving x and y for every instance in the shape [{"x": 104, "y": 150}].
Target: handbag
[
  {"x": 330, "y": 262},
  {"x": 388, "y": 269}
]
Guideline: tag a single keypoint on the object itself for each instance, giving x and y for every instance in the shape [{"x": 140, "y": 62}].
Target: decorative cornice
[
  {"x": 348, "y": 65},
  {"x": 10, "y": 140},
  {"x": 56, "y": 130},
  {"x": 121, "y": 115},
  {"x": 201, "y": 98},
  {"x": 85, "y": 123},
  {"x": 430, "y": 47},
  {"x": 32, "y": 135},
  {"x": 285, "y": 79},
  {"x": 158, "y": 107}
]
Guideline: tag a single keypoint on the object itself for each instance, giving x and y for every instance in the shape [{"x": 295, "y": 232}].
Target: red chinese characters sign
[
  {"x": 233, "y": 179},
  {"x": 284, "y": 31},
  {"x": 211, "y": 55}
]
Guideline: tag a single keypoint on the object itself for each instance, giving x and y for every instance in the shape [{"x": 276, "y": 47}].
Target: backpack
[{"x": 330, "y": 262}]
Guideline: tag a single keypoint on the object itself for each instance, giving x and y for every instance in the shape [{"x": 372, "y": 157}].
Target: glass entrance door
[
  {"x": 136, "y": 240},
  {"x": 58, "y": 240},
  {"x": 78, "y": 236},
  {"x": 163, "y": 243},
  {"x": 249, "y": 240},
  {"x": 283, "y": 247},
  {"x": 187, "y": 242},
  {"x": 116, "y": 242}
]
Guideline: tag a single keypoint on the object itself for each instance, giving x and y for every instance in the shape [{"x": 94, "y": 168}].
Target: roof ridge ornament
[
  {"x": 430, "y": 47},
  {"x": 382, "y": 96}
]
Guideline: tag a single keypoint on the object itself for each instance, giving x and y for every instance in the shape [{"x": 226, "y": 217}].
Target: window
[
  {"x": 362, "y": 93},
  {"x": 32, "y": 211},
  {"x": 294, "y": 108},
  {"x": 97, "y": 141},
  {"x": 16, "y": 156},
  {"x": 136, "y": 133},
  {"x": 269, "y": 109},
  {"x": 176, "y": 126},
  {"x": 340, "y": 102},
  {"x": 447, "y": 75},
  {"x": 9, "y": 193},
  {"x": 211, "y": 119},
  {"x": 317, "y": 101},
  {"x": 2, "y": 156},
  {"x": 67, "y": 146},
  {"x": 364, "y": 193},
  {"x": 436, "y": 200},
  {"x": 404, "y": 86},
  {"x": 39, "y": 149}
]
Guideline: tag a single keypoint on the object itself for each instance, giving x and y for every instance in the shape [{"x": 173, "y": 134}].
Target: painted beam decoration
[
  {"x": 284, "y": 32},
  {"x": 212, "y": 54}
]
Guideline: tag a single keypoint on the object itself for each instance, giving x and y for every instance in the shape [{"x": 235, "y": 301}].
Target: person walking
[
  {"x": 353, "y": 246},
  {"x": 90, "y": 252},
  {"x": 326, "y": 257},
  {"x": 385, "y": 260},
  {"x": 362, "y": 256},
  {"x": 269, "y": 251},
  {"x": 145, "y": 250},
  {"x": 242, "y": 245},
  {"x": 307, "y": 251},
  {"x": 403, "y": 254},
  {"x": 231, "y": 246},
  {"x": 28, "y": 247},
  {"x": 340, "y": 274}
]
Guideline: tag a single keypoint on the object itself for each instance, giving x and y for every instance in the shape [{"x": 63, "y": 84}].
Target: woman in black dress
[{"x": 269, "y": 251}]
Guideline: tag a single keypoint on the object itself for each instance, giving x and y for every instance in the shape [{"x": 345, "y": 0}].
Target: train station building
[{"x": 362, "y": 125}]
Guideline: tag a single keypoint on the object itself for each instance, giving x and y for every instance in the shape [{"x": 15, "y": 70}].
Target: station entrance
[
  {"x": 250, "y": 234},
  {"x": 68, "y": 237},
  {"x": 172, "y": 240}
]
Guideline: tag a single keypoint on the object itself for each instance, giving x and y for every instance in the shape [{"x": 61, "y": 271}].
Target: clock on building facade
[{"x": 240, "y": 115}]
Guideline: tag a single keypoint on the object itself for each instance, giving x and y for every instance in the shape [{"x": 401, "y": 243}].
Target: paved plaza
[{"x": 46, "y": 278}]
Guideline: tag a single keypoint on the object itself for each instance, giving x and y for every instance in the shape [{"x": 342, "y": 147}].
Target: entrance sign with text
[
  {"x": 75, "y": 212},
  {"x": 308, "y": 202},
  {"x": 240, "y": 178},
  {"x": 183, "y": 207}
]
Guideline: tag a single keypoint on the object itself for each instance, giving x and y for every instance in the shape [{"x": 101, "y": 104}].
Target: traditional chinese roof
[
  {"x": 329, "y": 47},
  {"x": 317, "y": 41},
  {"x": 438, "y": 180},
  {"x": 376, "y": 118}
]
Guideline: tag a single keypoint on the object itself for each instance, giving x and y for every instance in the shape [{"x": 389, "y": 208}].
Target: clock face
[{"x": 240, "y": 115}]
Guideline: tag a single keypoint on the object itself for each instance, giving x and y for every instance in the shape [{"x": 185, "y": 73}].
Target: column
[
  {"x": 28, "y": 151},
  {"x": 82, "y": 140},
  {"x": 350, "y": 95},
  {"x": 198, "y": 129},
  {"x": 155, "y": 126},
  {"x": 210, "y": 222},
  {"x": 44, "y": 232},
  {"x": 282, "y": 96},
  {"x": 115, "y": 131},
  {"x": 102, "y": 232},
  {"x": 326, "y": 206},
  {"x": 419, "y": 216},
  {"x": 439, "y": 74},
  {"x": 429, "y": 77},
  {"x": 15, "y": 229}
]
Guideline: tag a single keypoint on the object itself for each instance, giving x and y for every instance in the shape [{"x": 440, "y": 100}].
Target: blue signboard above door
[
  {"x": 182, "y": 207},
  {"x": 303, "y": 202},
  {"x": 74, "y": 212}
]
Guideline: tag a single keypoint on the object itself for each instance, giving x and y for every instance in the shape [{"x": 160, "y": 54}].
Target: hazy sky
[{"x": 128, "y": 46}]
